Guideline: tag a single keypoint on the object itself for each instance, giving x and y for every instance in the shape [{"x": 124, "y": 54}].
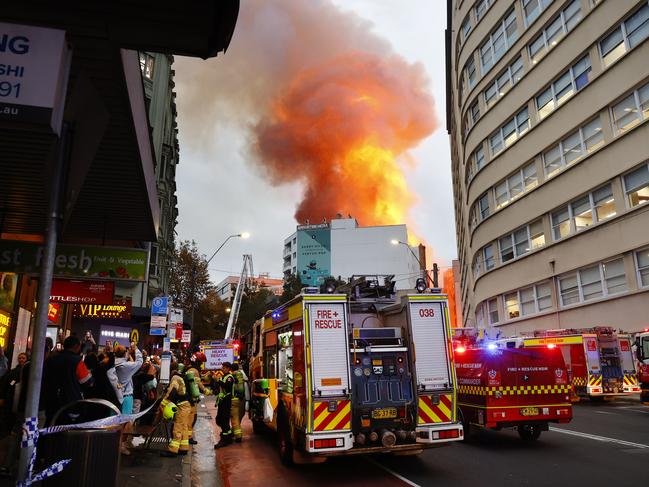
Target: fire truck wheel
[
  {"x": 596, "y": 399},
  {"x": 529, "y": 432},
  {"x": 284, "y": 444},
  {"x": 468, "y": 431}
]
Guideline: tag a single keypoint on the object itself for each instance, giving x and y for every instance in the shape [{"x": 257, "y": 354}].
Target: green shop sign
[{"x": 75, "y": 261}]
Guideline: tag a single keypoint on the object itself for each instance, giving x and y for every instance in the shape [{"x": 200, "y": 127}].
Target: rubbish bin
[{"x": 94, "y": 453}]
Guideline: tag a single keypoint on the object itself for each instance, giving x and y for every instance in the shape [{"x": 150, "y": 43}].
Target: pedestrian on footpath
[
  {"x": 176, "y": 393},
  {"x": 125, "y": 370},
  {"x": 224, "y": 404},
  {"x": 65, "y": 377},
  {"x": 239, "y": 399},
  {"x": 195, "y": 388}
]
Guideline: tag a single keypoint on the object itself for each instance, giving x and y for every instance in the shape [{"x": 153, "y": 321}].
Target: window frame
[
  {"x": 506, "y": 21},
  {"x": 490, "y": 311},
  {"x": 542, "y": 6},
  {"x": 508, "y": 192},
  {"x": 562, "y": 149},
  {"x": 602, "y": 283},
  {"x": 514, "y": 244},
  {"x": 552, "y": 88},
  {"x": 627, "y": 197},
  {"x": 547, "y": 46},
  {"x": 503, "y": 137},
  {"x": 511, "y": 75},
  {"x": 641, "y": 116},
  {"x": 571, "y": 214},
  {"x": 639, "y": 270},
  {"x": 622, "y": 26}
]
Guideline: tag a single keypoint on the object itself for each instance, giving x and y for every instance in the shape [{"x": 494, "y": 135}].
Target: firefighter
[
  {"x": 195, "y": 388},
  {"x": 238, "y": 401},
  {"x": 176, "y": 393},
  {"x": 224, "y": 402}
]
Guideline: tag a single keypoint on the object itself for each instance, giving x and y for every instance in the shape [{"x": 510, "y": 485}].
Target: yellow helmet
[{"x": 169, "y": 411}]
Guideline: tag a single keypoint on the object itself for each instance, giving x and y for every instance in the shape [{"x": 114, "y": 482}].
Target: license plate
[
  {"x": 384, "y": 413},
  {"x": 529, "y": 411}
]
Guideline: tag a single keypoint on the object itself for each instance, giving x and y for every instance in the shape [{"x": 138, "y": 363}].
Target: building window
[
  {"x": 489, "y": 259},
  {"x": 631, "y": 111},
  {"x": 474, "y": 113},
  {"x": 583, "y": 212},
  {"x": 553, "y": 33},
  {"x": 515, "y": 185},
  {"x": 510, "y": 132},
  {"x": 483, "y": 204},
  {"x": 492, "y": 311},
  {"x": 470, "y": 73},
  {"x": 600, "y": 280},
  {"x": 147, "y": 63},
  {"x": 527, "y": 301},
  {"x": 478, "y": 158},
  {"x": 627, "y": 35},
  {"x": 466, "y": 27},
  {"x": 642, "y": 265},
  {"x": 563, "y": 88},
  {"x": 521, "y": 241},
  {"x": 481, "y": 7},
  {"x": 636, "y": 186},
  {"x": 578, "y": 144},
  {"x": 501, "y": 85},
  {"x": 533, "y": 8},
  {"x": 498, "y": 42}
]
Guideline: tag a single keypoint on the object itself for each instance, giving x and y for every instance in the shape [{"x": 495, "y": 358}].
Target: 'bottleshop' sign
[{"x": 75, "y": 261}]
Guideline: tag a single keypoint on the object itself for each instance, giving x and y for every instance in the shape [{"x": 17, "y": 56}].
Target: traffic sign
[{"x": 160, "y": 305}]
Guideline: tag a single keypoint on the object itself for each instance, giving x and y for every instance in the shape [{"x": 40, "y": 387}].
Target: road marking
[
  {"x": 605, "y": 412},
  {"x": 599, "y": 438},
  {"x": 392, "y": 472}
]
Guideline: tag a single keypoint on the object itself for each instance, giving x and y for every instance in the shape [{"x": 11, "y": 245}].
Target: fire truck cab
[
  {"x": 599, "y": 360},
  {"x": 501, "y": 387},
  {"x": 339, "y": 375}
]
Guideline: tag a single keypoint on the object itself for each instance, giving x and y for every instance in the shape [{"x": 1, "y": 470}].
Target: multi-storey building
[
  {"x": 342, "y": 248},
  {"x": 547, "y": 109},
  {"x": 160, "y": 101}
]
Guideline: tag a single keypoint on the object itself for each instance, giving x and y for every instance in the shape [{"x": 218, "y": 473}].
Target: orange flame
[
  {"x": 340, "y": 128},
  {"x": 449, "y": 288}
]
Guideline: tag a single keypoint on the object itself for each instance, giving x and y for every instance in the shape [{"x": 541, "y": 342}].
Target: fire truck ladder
[{"x": 246, "y": 275}]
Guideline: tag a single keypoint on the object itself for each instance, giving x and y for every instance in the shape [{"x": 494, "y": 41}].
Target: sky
[{"x": 221, "y": 192}]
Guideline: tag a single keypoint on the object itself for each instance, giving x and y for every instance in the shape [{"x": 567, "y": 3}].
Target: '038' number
[{"x": 426, "y": 312}]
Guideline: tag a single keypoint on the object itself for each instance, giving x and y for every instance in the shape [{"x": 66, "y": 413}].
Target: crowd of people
[{"x": 124, "y": 379}]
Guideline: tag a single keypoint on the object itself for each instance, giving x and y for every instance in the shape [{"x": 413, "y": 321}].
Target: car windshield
[{"x": 645, "y": 347}]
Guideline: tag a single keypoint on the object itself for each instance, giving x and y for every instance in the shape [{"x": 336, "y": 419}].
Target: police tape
[{"x": 31, "y": 434}]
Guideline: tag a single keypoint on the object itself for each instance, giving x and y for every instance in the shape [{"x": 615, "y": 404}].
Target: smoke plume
[{"x": 324, "y": 101}]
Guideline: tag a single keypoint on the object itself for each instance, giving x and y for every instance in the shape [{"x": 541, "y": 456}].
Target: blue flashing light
[{"x": 492, "y": 346}]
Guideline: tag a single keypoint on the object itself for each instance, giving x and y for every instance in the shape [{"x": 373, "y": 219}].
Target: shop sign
[
  {"x": 53, "y": 312},
  {"x": 187, "y": 336},
  {"x": 114, "y": 334},
  {"x": 75, "y": 261},
  {"x": 119, "y": 309},
  {"x": 5, "y": 323},
  {"x": 87, "y": 292},
  {"x": 34, "y": 65},
  {"x": 135, "y": 335}
]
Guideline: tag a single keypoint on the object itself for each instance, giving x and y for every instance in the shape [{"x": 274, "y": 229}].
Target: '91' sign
[{"x": 426, "y": 312}]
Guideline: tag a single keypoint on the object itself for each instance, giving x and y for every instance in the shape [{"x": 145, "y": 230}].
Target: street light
[{"x": 243, "y": 235}]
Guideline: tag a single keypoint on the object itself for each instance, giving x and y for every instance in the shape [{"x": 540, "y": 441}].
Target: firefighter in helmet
[
  {"x": 239, "y": 398},
  {"x": 176, "y": 393},
  {"x": 226, "y": 390},
  {"x": 195, "y": 388}
]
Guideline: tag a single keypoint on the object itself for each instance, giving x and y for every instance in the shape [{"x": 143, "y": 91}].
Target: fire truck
[
  {"x": 599, "y": 360},
  {"x": 642, "y": 353},
  {"x": 512, "y": 387},
  {"x": 360, "y": 372}
]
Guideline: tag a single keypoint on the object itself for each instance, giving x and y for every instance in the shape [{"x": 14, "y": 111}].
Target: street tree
[
  {"x": 210, "y": 318},
  {"x": 292, "y": 287},
  {"x": 189, "y": 279}
]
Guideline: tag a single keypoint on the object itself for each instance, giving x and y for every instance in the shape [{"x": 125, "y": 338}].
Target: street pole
[
  {"x": 44, "y": 289},
  {"x": 424, "y": 272}
]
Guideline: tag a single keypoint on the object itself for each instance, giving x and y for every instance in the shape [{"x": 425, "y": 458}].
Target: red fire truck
[
  {"x": 523, "y": 388},
  {"x": 339, "y": 375},
  {"x": 642, "y": 353},
  {"x": 599, "y": 360}
]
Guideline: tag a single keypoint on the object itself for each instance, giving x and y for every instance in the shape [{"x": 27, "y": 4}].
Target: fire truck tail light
[
  {"x": 460, "y": 349},
  {"x": 551, "y": 346},
  {"x": 401, "y": 412},
  {"x": 329, "y": 443},
  {"x": 446, "y": 434},
  {"x": 562, "y": 412}
]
